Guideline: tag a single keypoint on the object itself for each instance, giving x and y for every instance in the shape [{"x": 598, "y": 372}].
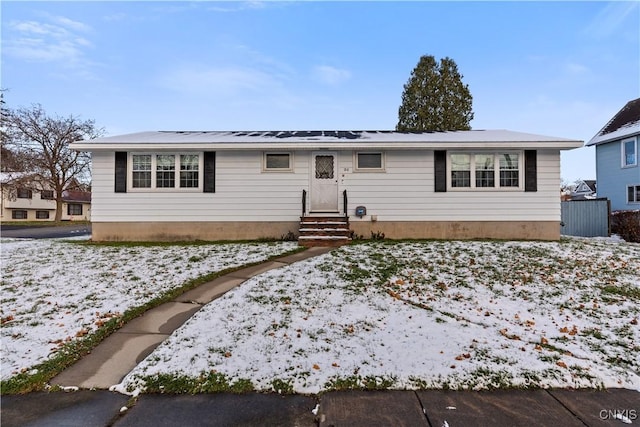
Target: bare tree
[{"x": 41, "y": 142}]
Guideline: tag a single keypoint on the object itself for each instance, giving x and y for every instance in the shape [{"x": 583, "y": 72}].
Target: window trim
[
  {"x": 496, "y": 171},
  {"x": 176, "y": 188},
  {"x": 635, "y": 192},
  {"x": 357, "y": 168},
  {"x": 39, "y": 212},
  {"x": 623, "y": 157},
  {"x": 270, "y": 170}
]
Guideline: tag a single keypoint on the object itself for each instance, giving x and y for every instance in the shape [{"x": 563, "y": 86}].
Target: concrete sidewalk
[{"x": 433, "y": 408}]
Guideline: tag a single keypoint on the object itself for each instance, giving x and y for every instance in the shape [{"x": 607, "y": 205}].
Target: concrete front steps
[{"x": 324, "y": 231}]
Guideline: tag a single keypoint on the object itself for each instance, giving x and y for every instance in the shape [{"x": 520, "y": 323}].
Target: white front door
[{"x": 324, "y": 182}]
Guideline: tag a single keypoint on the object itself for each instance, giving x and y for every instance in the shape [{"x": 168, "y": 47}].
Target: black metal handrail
[
  {"x": 344, "y": 202},
  {"x": 304, "y": 202}
]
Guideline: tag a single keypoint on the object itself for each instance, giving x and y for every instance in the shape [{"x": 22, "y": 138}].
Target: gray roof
[
  {"x": 323, "y": 139},
  {"x": 625, "y": 123}
]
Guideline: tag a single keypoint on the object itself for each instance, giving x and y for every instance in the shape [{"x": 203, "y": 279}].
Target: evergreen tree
[{"x": 434, "y": 98}]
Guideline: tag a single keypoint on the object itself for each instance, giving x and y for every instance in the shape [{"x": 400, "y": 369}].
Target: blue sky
[{"x": 552, "y": 68}]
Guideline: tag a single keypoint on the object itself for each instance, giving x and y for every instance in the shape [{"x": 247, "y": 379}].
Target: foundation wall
[
  {"x": 189, "y": 231},
  {"x": 212, "y": 231},
  {"x": 503, "y": 230}
]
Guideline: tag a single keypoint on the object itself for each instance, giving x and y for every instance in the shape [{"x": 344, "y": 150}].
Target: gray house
[{"x": 617, "y": 168}]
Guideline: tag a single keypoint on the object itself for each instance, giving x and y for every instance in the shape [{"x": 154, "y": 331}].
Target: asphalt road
[{"x": 44, "y": 232}]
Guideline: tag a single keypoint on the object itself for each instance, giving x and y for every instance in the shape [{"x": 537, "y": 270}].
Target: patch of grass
[
  {"x": 624, "y": 291},
  {"x": 282, "y": 386},
  {"x": 357, "y": 382},
  {"x": 37, "y": 377},
  {"x": 212, "y": 382}
]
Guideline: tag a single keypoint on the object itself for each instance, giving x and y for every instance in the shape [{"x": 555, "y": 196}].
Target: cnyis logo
[{"x": 624, "y": 415}]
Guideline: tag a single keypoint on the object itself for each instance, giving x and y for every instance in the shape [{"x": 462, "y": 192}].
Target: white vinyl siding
[
  {"x": 405, "y": 192},
  {"x": 243, "y": 193}
]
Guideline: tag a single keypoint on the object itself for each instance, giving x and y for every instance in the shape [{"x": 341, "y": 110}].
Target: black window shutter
[
  {"x": 440, "y": 170},
  {"x": 121, "y": 172},
  {"x": 530, "y": 170},
  {"x": 209, "y": 172}
]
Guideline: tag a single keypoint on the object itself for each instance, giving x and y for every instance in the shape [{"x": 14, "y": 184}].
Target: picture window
[
  {"x": 485, "y": 170},
  {"x": 277, "y": 162},
  {"x": 165, "y": 171},
  {"x": 369, "y": 161}
]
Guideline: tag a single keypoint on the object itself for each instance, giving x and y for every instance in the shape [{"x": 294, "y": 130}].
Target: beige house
[
  {"x": 24, "y": 202},
  {"x": 326, "y": 185}
]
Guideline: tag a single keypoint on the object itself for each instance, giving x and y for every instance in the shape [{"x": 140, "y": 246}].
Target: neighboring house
[
  {"x": 76, "y": 206},
  {"x": 247, "y": 185},
  {"x": 617, "y": 169},
  {"x": 584, "y": 190},
  {"x": 22, "y": 200}
]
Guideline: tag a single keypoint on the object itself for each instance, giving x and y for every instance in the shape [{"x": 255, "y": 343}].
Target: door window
[{"x": 324, "y": 167}]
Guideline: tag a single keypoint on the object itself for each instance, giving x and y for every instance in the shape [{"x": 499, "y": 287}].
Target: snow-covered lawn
[
  {"x": 54, "y": 291},
  {"x": 426, "y": 314}
]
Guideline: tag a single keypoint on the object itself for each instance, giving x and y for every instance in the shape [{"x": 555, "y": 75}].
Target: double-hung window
[
  {"x": 629, "y": 153},
  {"x": 165, "y": 171},
  {"x": 633, "y": 194},
  {"x": 485, "y": 170},
  {"x": 509, "y": 170},
  {"x": 141, "y": 171},
  {"x": 460, "y": 170},
  {"x": 189, "y": 170}
]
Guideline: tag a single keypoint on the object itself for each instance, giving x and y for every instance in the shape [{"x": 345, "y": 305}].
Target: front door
[{"x": 324, "y": 182}]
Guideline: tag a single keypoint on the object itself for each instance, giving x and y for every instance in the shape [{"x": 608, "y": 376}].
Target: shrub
[{"x": 626, "y": 224}]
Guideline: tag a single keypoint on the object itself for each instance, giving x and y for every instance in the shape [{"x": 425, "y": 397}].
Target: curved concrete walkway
[{"x": 117, "y": 355}]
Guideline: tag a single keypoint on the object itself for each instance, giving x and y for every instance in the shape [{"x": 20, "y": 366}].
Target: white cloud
[
  {"x": 71, "y": 24},
  {"x": 236, "y": 6},
  {"x": 575, "y": 69},
  {"x": 59, "y": 40},
  {"x": 330, "y": 75},
  {"x": 217, "y": 80},
  {"x": 611, "y": 18}
]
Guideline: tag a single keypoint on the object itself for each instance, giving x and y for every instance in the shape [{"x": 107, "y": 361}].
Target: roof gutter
[{"x": 364, "y": 145}]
